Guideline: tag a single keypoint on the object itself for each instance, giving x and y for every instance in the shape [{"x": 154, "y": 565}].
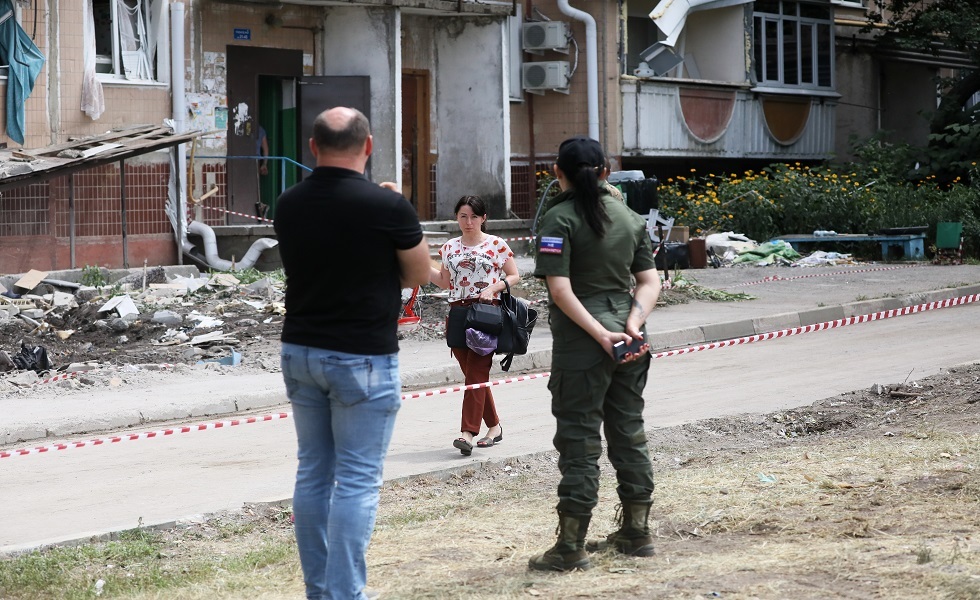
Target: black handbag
[
  {"x": 519, "y": 320},
  {"x": 456, "y": 326},
  {"x": 487, "y": 318}
]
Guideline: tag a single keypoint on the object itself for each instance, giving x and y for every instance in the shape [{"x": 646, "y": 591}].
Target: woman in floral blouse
[{"x": 474, "y": 268}]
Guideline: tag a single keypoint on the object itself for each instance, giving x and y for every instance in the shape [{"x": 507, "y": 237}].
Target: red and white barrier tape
[
  {"x": 886, "y": 314},
  {"x": 474, "y": 386},
  {"x": 778, "y": 278},
  {"x": 231, "y": 212},
  {"x": 61, "y": 377},
  {"x": 144, "y": 435}
]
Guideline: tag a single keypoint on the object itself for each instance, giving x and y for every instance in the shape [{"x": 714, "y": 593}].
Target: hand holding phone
[{"x": 621, "y": 349}]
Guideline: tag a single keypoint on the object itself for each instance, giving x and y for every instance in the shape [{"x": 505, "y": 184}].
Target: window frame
[
  {"x": 780, "y": 23},
  {"x": 118, "y": 73}
]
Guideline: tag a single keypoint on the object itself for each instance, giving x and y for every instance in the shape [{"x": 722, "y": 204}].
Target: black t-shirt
[{"x": 338, "y": 233}]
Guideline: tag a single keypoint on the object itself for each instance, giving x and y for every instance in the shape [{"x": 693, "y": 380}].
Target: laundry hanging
[{"x": 24, "y": 62}]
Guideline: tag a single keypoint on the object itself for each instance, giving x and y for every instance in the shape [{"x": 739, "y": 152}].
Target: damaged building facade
[
  {"x": 429, "y": 74},
  {"x": 716, "y": 85},
  {"x": 464, "y": 96}
]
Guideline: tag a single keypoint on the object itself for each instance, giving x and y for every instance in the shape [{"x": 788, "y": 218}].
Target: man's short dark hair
[{"x": 351, "y": 137}]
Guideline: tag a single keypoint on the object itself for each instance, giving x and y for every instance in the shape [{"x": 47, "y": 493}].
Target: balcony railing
[{"x": 707, "y": 120}]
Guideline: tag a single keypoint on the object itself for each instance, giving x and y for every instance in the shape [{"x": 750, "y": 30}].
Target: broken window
[
  {"x": 126, "y": 32},
  {"x": 793, "y": 44}
]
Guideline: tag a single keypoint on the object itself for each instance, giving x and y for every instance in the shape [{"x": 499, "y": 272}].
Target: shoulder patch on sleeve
[{"x": 551, "y": 245}]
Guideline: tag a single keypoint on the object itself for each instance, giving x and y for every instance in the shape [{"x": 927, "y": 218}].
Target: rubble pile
[{"x": 145, "y": 320}]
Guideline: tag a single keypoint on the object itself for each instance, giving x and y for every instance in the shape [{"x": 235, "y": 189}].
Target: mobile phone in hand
[{"x": 620, "y": 349}]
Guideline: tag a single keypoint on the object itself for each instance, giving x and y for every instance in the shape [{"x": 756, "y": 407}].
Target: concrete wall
[
  {"x": 359, "y": 41},
  {"x": 470, "y": 122},
  {"x": 908, "y": 99},
  {"x": 857, "y": 112}
]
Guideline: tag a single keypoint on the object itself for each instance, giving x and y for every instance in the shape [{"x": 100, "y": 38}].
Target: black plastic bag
[
  {"x": 675, "y": 255},
  {"x": 31, "y": 358}
]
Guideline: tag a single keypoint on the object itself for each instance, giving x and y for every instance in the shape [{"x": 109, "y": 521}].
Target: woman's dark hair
[
  {"x": 477, "y": 205},
  {"x": 582, "y": 161}
]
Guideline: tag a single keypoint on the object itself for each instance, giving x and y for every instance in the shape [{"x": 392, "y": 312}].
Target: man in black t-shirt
[{"x": 348, "y": 247}]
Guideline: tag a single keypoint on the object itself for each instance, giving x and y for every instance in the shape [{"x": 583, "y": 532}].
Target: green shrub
[{"x": 854, "y": 198}]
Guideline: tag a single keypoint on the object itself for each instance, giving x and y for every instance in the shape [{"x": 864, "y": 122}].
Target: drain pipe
[
  {"x": 591, "y": 63},
  {"x": 211, "y": 249},
  {"x": 179, "y": 102}
]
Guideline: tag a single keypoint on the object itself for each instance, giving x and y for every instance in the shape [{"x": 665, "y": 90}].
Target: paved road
[{"x": 76, "y": 493}]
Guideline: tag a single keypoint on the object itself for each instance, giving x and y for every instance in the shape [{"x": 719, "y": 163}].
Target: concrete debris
[
  {"x": 123, "y": 305},
  {"x": 167, "y": 317},
  {"x": 147, "y": 314}
]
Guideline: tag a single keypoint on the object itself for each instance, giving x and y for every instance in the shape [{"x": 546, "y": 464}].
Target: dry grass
[{"x": 840, "y": 519}]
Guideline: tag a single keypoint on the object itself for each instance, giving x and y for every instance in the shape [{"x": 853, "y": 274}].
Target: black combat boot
[
  {"x": 568, "y": 553},
  {"x": 633, "y": 536}
]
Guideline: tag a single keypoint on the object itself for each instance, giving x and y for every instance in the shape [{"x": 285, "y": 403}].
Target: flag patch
[{"x": 551, "y": 245}]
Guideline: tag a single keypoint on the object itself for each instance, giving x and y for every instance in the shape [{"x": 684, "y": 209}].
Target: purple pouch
[{"x": 479, "y": 342}]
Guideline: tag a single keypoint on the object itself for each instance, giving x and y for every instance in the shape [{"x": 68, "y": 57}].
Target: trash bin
[{"x": 639, "y": 191}]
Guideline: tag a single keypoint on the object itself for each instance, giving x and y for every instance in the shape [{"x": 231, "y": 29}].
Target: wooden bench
[{"x": 912, "y": 244}]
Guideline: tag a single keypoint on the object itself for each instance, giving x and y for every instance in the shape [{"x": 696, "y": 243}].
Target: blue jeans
[{"x": 344, "y": 408}]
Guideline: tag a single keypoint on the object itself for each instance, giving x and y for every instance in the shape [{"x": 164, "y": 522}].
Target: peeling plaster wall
[
  {"x": 210, "y": 29},
  {"x": 358, "y": 41},
  {"x": 208, "y": 104},
  {"x": 471, "y": 113}
]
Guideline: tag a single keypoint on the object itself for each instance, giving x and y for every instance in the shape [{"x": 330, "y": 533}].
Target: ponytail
[{"x": 585, "y": 180}]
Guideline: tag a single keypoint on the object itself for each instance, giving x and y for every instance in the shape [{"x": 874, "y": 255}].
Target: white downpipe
[
  {"x": 591, "y": 63},
  {"x": 179, "y": 101},
  {"x": 211, "y": 249}
]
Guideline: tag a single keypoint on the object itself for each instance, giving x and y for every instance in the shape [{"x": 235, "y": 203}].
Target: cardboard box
[{"x": 678, "y": 233}]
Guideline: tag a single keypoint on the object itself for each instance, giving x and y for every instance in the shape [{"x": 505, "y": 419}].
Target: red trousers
[{"x": 477, "y": 404}]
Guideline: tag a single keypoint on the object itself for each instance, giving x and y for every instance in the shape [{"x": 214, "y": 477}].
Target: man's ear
[
  {"x": 313, "y": 148},
  {"x": 369, "y": 145}
]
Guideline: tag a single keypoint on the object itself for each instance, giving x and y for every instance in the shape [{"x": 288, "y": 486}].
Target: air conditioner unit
[
  {"x": 536, "y": 77},
  {"x": 539, "y": 36}
]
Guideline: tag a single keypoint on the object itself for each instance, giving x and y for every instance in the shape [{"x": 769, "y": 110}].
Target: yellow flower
[{"x": 700, "y": 218}]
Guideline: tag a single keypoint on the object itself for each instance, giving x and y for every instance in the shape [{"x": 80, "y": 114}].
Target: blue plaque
[{"x": 242, "y": 33}]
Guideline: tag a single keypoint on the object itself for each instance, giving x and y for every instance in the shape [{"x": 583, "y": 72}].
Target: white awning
[{"x": 670, "y": 15}]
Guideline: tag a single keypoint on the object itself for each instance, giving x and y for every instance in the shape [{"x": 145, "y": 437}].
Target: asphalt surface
[{"x": 784, "y": 298}]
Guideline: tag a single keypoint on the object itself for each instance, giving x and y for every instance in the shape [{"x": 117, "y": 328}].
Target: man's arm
[
  {"x": 415, "y": 265},
  {"x": 264, "y": 149}
]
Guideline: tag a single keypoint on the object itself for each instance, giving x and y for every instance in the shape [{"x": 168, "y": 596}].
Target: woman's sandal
[
  {"x": 486, "y": 442},
  {"x": 465, "y": 448}
]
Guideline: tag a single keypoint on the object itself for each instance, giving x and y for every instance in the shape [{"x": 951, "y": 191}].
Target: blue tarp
[{"x": 25, "y": 62}]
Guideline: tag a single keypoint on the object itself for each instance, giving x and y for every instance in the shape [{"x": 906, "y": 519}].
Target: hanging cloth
[
  {"x": 93, "y": 100},
  {"x": 24, "y": 62}
]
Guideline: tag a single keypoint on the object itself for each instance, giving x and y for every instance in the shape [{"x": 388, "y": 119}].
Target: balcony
[{"x": 698, "y": 119}]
